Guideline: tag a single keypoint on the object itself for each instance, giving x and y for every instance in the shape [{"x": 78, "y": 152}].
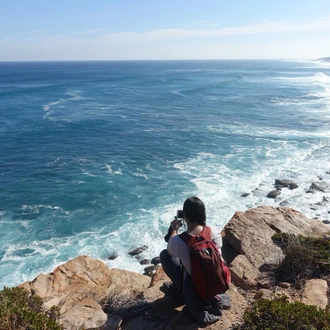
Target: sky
[{"x": 41, "y": 30}]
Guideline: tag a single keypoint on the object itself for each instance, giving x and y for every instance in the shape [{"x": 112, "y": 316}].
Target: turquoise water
[{"x": 96, "y": 157}]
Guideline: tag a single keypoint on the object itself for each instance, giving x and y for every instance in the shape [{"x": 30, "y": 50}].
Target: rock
[
  {"x": 274, "y": 193},
  {"x": 315, "y": 187},
  {"x": 113, "y": 256},
  {"x": 245, "y": 194},
  {"x": 150, "y": 270},
  {"x": 144, "y": 262},
  {"x": 137, "y": 250},
  {"x": 315, "y": 293},
  {"x": 285, "y": 203},
  {"x": 325, "y": 201},
  {"x": 285, "y": 183},
  {"x": 78, "y": 286},
  {"x": 263, "y": 293},
  {"x": 155, "y": 261},
  {"x": 327, "y": 222},
  {"x": 267, "y": 282},
  {"x": 293, "y": 186},
  {"x": 250, "y": 232},
  {"x": 285, "y": 285},
  {"x": 113, "y": 323}
]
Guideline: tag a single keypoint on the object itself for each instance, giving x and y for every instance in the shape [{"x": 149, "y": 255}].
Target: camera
[{"x": 180, "y": 214}]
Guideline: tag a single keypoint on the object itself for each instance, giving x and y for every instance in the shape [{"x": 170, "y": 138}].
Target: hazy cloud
[
  {"x": 90, "y": 31},
  {"x": 255, "y": 28},
  {"x": 282, "y": 39}
]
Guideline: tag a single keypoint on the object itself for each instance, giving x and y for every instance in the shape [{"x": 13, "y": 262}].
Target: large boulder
[
  {"x": 79, "y": 286},
  {"x": 315, "y": 293},
  {"x": 250, "y": 234}
]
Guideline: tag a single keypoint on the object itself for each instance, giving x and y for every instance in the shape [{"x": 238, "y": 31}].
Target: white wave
[
  {"x": 252, "y": 131},
  {"x": 8, "y": 221},
  {"x": 266, "y": 133},
  {"x": 33, "y": 249},
  {"x": 98, "y": 244},
  {"x": 50, "y": 108},
  {"x": 216, "y": 183},
  {"x": 313, "y": 63},
  {"x": 47, "y": 107},
  {"x": 179, "y": 94},
  {"x": 318, "y": 77},
  {"x": 285, "y": 101},
  {"x": 316, "y": 101},
  {"x": 75, "y": 95},
  {"x": 109, "y": 170},
  {"x": 221, "y": 186},
  {"x": 36, "y": 208},
  {"x": 84, "y": 172},
  {"x": 139, "y": 174},
  {"x": 321, "y": 77},
  {"x": 321, "y": 64}
]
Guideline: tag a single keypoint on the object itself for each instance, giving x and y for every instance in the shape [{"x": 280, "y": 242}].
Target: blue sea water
[{"x": 96, "y": 157}]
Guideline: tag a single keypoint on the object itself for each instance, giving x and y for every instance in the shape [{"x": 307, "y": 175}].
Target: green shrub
[
  {"x": 21, "y": 310},
  {"x": 305, "y": 257},
  {"x": 279, "y": 314}
]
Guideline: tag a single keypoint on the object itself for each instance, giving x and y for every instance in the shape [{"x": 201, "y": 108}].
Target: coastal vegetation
[
  {"x": 280, "y": 314},
  {"x": 304, "y": 257},
  {"x": 20, "y": 309}
]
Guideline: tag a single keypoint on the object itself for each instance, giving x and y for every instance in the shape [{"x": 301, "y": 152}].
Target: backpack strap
[{"x": 190, "y": 240}]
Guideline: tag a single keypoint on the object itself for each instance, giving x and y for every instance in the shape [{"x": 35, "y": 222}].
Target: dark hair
[{"x": 194, "y": 210}]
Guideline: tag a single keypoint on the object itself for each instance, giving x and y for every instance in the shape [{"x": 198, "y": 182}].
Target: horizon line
[{"x": 169, "y": 60}]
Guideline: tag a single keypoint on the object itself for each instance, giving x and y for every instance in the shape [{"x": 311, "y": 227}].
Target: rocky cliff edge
[{"x": 89, "y": 295}]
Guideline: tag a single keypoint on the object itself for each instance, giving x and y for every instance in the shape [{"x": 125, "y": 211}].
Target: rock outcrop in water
[{"x": 92, "y": 296}]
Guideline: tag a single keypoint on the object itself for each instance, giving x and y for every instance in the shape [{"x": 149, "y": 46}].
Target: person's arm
[
  {"x": 217, "y": 238},
  {"x": 175, "y": 225}
]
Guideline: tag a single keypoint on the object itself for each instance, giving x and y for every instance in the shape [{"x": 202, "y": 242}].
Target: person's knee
[{"x": 164, "y": 255}]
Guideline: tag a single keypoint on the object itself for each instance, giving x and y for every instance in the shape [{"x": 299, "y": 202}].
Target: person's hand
[{"x": 176, "y": 224}]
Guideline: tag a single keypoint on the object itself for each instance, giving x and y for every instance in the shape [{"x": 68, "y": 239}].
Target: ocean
[{"x": 97, "y": 157}]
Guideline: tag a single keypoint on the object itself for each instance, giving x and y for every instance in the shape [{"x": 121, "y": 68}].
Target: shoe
[{"x": 170, "y": 288}]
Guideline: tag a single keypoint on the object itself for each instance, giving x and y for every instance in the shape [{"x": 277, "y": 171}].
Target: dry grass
[{"x": 305, "y": 257}]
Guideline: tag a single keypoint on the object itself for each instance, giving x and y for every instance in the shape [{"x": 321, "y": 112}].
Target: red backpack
[{"x": 210, "y": 274}]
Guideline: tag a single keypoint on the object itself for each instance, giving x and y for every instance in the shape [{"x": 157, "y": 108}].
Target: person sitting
[{"x": 176, "y": 263}]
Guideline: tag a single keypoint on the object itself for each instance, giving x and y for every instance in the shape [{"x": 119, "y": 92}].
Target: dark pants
[
  {"x": 172, "y": 268},
  {"x": 205, "y": 311}
]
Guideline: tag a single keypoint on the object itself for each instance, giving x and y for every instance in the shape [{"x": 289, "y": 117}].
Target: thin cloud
[
  {"x": 6, "y": 40},
  {"x": 55, "y": 38},
  {"x": 255, "y": 28},
  {"x": 40, "y": 31},
  {"x": 282, "y": 39},
  {"x": 90, "y": 31},
  {"x": 28, "y": 39}
]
